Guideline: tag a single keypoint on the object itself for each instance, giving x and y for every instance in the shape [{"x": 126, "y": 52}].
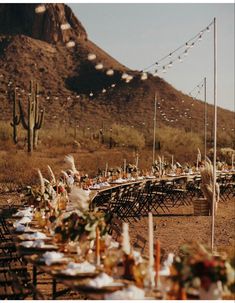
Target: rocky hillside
[{"x": 48, "y": 44}]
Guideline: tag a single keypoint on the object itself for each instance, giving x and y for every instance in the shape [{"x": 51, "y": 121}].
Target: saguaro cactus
[
  {"x": 34, "y": 118},
  {"x": 15, "y": 118}
]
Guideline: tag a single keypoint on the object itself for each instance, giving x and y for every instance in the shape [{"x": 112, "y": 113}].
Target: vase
[{"x": 213, "y": 293}]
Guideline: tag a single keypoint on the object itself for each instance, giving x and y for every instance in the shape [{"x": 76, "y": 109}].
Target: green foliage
[
  {"x": 127, "y": 136},
  {"x": 178, "y": 142}
]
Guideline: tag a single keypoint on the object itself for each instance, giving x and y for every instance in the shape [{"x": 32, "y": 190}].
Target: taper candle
[
  {"x": 97, "y": 246},
  {"x": 157, "y": 262},
  {"x": 124, "y": 166},
  {"x": 151, "y": 257}
]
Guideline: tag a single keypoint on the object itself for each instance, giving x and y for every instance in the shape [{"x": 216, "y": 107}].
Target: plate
[
  {"x": 62, "y": 275},
  {"x": 84, "y": 286}
]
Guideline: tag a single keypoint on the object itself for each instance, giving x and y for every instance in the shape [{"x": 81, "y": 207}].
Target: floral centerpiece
[{"x": 198, "y": 268}]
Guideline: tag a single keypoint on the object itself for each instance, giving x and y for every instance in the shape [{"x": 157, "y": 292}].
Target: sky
[{"x": 139, "y": 34}]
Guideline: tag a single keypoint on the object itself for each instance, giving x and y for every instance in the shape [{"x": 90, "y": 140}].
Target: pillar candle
[
  {"x": 232, "y": 161},
  {"x": 172, "y": 161},
  {"x": 97, "y": 246},
  {"x": 126, "y": 239}
]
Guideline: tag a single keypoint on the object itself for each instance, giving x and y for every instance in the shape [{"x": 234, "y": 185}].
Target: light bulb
[
  {"x": 186, "y": 52},
  {"x": 155, "y": 73},
  {"x": 91, "y": 94},
  {"x": 187, "y": 45},
  {"x": 70, "y": 44},
  {"x": 129, "y": 78},
  {"x": 65, "y": 26},
  {"x": 208, "y": 29},
  {"x": 113, "y": 85},
  {"x": 99, "y": 66},
  {"x": 164, "y": 69},
  {"x": 180, "y": 59},
  {"x": 200, "y": 38},
  {"x": 91, "y": 57},
  {"x": 170, "y": 64},
  {"x": 124, "y": 76},
  {"x": 109, "y": 72},
  {"x": 103, "y": 90},
  {"x": 40, "y": 9},
  {"x": 170, "y": 55},
  {"x": 144, "y": 76},
  {"x": 192, "y": 45}
]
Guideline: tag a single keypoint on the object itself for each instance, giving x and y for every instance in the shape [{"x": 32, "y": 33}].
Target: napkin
[
  {"x": 51, "y": 257},
  {"x": 75, "y": 268},
  {"x": 27, "y": 244},
  {"x": 19, "y": 227},
  {"x": 24, "y": 220},
  {"x": 130, "y": 293},
  {"x": 24, "y": 213},
  {"x": 36, "y": 235},
  {"x": 100, "y": 281}
]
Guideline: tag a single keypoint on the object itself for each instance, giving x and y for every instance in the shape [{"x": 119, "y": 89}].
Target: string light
[
  {"x": 155, "y": 74},
  {"x": 124, "y": 76},
  {"x": 144, "y": 76},
  {"x": 99, "y": 66},
  {"x": 91, "y": 57},
  {"x": 70, "y": 44},
  {"x": 109, "y": 72},
  {"x": 40, "y": 9},
  {"x": 65, "y": 26}
]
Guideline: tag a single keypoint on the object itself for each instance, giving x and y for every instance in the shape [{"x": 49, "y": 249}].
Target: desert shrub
[
  {"x": 178, "y": 142},
  {"x": 5, "y": 131},
  {"x": 126, "y": 136},
  {"x": 223, "y": 154},
  {"x": 224, "y": 139}
]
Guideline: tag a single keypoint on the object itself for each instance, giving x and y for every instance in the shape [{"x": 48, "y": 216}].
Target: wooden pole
[
  {"x": 154, "y": 127},
  {"x": 205, "y": 117},
  {"x": 215, "y": 139}
]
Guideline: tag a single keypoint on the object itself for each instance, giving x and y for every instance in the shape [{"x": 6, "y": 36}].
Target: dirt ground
[
  {"x": 178, "y": 227},
  {"x": 173, "y": 230}
]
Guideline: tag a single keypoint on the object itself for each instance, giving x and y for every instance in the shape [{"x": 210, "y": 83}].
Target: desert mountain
[{"x": 48, "y": 44}]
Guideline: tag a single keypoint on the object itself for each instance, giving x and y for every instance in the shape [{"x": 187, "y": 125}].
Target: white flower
[{"x": 79, "y": 199}]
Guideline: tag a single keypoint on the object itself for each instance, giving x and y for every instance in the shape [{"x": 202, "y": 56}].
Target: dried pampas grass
[
  {"x": 69, "y": 159},
  {"x": 207, "y": 184}
]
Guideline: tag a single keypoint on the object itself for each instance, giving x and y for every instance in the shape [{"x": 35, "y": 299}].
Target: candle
[
  {"x": 160, "y": 167},
  {"x": 232, "y": 161},
  {"x": 172, "y": 161},
  {"x": 197, "y": 163},
  {"x": 157, "y": 261},
  {"x": 124, "y": 166},
  {"x": 126, "y": 239},
  {"x": 151, "y": 257},
  {"x": 106, "y": 169},
  {"x": 97, "y": 246},
  {"x": 137, "y": 161}
]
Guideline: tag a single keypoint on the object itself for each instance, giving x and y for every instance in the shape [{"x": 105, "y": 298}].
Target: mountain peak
[{"x": 49, "y": 22}]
